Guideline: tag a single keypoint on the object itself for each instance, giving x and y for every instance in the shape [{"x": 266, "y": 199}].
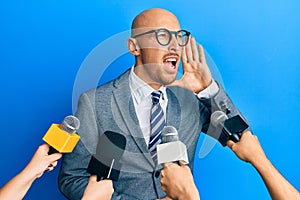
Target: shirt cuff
[{"x": 208, "y": 92}]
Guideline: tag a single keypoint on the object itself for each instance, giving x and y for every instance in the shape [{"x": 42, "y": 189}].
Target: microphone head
[
  {"x": 171, "y": 149},
  {"x": 169, "y": 134},
  {"x": 217, "y": 118},
  {"x": 70, "y": 124}
]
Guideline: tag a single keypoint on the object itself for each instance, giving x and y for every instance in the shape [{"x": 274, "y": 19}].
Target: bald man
[{"x": 140, "y": 102}]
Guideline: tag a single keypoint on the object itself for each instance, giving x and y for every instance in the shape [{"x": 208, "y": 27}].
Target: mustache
[{"x": 172, "y": 54}]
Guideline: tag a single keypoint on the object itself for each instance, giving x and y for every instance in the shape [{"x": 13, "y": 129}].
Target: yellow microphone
[{"x": 62, "y": 137}]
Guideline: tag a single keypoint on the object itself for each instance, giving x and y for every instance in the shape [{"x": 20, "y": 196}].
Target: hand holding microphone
[
  {"x": 96, "y": 190},
  {"x": 248, "y": 148},
  {"x": 59, "y": 138},
  {"x": 177, "y": 179},
  {"x": 105, "y": 166},
  {"x": 229, "y": 128}
]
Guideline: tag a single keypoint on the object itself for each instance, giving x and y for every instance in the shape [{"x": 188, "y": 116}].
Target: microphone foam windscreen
[
  {"x": 169, "y": 134},
  {"x": 218, "y": 117},
  {"x": 70, "y": 124},
  {"x": 111, "y": 145}
]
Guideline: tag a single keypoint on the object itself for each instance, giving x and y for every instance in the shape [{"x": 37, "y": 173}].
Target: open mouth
[{"x": 170, "y": 62}]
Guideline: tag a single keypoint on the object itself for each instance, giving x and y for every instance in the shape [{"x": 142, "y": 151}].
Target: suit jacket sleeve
[
  {"x": 221, "y": 101},
  {"x": 73, "y": 177}
]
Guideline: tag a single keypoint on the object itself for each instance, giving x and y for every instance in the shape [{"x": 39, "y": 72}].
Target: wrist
[
  {"x": 208, "y": 92},
  {"x": 30, "y": 173},
  {"x": 190, "y": 193},
  {"x": 25, "y": 178},
  {"x": 259, "y": 160}
]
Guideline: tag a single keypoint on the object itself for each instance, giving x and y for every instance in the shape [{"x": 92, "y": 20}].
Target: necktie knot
[{"x": 155, "y": 96}]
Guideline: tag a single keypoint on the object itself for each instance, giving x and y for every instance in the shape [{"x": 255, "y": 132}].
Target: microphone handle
[
  {"x": 235, "y": 137},
  {"x": 52, "y": 150},
  {"x": 232, "y": 136},
  {"x": 104, "y": 171}
]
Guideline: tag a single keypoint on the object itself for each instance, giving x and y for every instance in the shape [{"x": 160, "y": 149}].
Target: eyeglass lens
[{"x": 164, "y": 37}]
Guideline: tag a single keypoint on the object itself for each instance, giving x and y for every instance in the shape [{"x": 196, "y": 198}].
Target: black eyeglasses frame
[{"x": 156, "y": 31}]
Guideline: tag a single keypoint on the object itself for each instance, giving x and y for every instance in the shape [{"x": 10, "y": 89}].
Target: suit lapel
[
  {"x": 123, "y": 99},
  {"x": 173, "y": 110}
]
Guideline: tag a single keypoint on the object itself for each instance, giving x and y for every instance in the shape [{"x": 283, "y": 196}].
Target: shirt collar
[{"x": 142, "y": 90}]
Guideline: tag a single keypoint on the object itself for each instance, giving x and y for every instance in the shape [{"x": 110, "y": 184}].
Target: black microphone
[
  {"x": 171, "y": 149},
  {"x": 229, "y": 127},
  {"x": 106, "y": 162},
  {"x": 62, "y": 137}
]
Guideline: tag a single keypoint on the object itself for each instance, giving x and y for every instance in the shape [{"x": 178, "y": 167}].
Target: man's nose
[{"x": 173, "y": 46}]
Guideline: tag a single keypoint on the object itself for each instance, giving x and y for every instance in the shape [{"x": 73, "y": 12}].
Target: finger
[
  {"x": 189, "y": 53},
  {"x": 93, "y": 178},
  {"x": 183, "y": 56},
  {"x": 164, "y": 188},
  {"x": 244, "y": 134},
  {"x": 168, "y": 164},
  {"x": 230, "y": 144},
  {"x": 247, "y": 133},
  {"x": 54, "y": 164},
  {"x": 54, "y": 157},
  {"x": 202, "y": 54},
  {"x": 181, "y": 163},
  {"x": 45, "y": 146},
  {"x": 195, "y": 51},
  {"x": 48, "y": 169}
]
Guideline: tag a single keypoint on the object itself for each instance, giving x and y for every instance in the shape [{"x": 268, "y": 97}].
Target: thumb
[
  {"x": 168, "y": 164},
  {"x": 181, "y": 163},
  {"x": 93, "y": 178},
  {"x": 55, "y": 156},
  {"x": 230, "y": 144}
]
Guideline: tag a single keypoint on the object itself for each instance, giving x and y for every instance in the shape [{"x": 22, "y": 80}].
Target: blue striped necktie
[{"x": 157, "y": 123}]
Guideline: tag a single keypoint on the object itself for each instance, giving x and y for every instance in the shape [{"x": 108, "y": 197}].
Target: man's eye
[{"x": 162, "y": 35}]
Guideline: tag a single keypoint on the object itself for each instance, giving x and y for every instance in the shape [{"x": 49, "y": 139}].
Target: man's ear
[{"x": 133, "y": 47}]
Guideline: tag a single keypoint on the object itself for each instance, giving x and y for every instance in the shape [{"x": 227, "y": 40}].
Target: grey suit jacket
[{"x": 110, "y": 108}]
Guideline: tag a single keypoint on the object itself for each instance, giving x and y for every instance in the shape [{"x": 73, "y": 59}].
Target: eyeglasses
[{"x": 164, "y": 36}]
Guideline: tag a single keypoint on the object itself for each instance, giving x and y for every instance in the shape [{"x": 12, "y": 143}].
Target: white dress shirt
[{"x": 141, "y": 94}]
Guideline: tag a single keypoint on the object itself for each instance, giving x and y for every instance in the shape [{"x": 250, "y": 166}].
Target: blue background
[{"x": 255, "y": 45}]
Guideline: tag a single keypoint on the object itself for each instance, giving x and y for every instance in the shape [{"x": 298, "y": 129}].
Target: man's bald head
[{"x": 154, "y": 18}]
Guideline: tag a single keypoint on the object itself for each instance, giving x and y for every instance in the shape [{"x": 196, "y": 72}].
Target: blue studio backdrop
[{"x": 255, "y": 45}]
